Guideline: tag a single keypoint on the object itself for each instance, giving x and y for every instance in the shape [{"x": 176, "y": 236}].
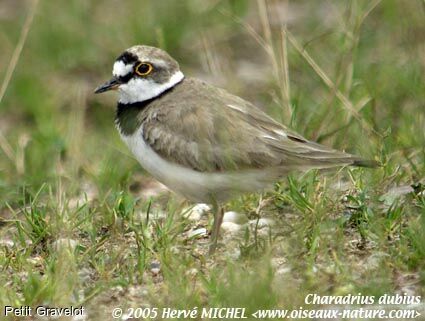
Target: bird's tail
[
  {"x": 365, "y": 163},
  {"x": 327, "y": 159}
]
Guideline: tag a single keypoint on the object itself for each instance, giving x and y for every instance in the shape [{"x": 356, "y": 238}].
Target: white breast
[{"x": 194, "y": 185}]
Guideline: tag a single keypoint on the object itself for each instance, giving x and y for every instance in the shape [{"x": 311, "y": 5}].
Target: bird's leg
[{"x": 218, "y": 219}]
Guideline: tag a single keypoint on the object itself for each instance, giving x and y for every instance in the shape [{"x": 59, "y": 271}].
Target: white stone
[
  {"x": 197, "y": 212},
  {"x": 276, "y": 262},
  {"x": 235, "y": 217},
  {"x": 81, "y": 317},
  {"x": 85, "y": 275},
  {"x": 198, "y": 232},
  {"x": 7, "y": 243},
  {"x": 283, "y": 270},
  {"x": 192, "y": 272},
  {"x": 262, "y": 222},
  {"x": 230, "y": 227}
]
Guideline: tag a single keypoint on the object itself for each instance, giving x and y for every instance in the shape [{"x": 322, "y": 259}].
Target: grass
[{"x": 77, "y": 222}]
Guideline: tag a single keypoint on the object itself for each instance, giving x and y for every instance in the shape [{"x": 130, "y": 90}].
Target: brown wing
[{"x": 208, "y": 129}]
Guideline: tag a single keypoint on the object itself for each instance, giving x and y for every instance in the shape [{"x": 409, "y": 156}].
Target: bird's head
[{"x": 141, "y": 73}]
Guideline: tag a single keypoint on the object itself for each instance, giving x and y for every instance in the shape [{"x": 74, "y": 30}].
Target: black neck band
[{"x": 142, "y": 104}]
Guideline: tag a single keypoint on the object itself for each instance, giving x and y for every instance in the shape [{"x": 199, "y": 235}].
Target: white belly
[{"x": 194, "y": 185}]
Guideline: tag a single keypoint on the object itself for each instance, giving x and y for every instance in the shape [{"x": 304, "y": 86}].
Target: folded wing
[{"x": 219, "y": 132}]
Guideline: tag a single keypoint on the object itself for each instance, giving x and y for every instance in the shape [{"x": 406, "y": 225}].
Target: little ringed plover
[{"x": 201, "y": 141}]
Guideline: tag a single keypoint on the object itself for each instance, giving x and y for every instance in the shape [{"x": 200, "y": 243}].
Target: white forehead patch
[{"x": 121, "y": 69}]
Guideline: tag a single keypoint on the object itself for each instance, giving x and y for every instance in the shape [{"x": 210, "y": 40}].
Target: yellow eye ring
[{"x": 143, "y": 69}]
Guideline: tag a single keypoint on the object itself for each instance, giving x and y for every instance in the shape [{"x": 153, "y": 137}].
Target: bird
[{"x": 201, "y": 141}]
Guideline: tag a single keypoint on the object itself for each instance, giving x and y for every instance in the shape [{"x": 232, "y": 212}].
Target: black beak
[{"x": 109, "y": 85}]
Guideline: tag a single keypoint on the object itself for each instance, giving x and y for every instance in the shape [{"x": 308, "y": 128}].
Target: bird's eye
[{"x": 143, "y": 69}]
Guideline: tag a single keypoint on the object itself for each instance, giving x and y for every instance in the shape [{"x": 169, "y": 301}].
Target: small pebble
[
  {"x": 85, "y": 275},
  {"x": 36, "y": 260},
  {"x": 283, "y": 270},
  {"x": 197, "y": 212},
  {"x": 231, "y": 227},
  {"x": 81, "y": 317},
  {"x": 7, "y": 243},
  {"x": 276, "y": 262},
  {"x": 155, "y": 267},
  {"x": 192, "y": 272},
  {"x": 200, "y": 232},
  {"x": 262, "y": 222},
  {"x": 234, "y": 217},
  {"x": 175, "y": 250}
]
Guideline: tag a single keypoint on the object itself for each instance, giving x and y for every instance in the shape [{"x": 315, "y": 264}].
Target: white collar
[{"x": 138, "y": 89}]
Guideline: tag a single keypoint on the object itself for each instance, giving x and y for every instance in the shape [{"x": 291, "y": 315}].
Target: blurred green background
[
  {"x": 71, "y": 47},
  {"x": 65, "y": 174}
]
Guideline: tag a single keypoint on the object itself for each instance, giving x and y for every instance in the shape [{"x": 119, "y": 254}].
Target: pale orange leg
[{"x": 218, "y": 219}]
